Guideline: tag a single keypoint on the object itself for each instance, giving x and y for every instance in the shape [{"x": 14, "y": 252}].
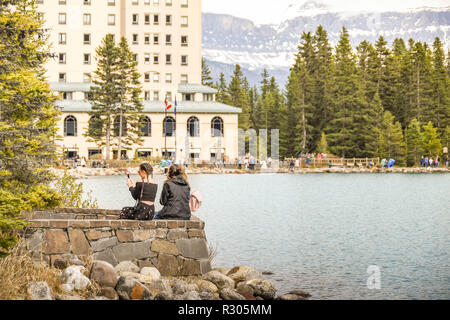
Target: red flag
[{"x": 168, "y": 106}]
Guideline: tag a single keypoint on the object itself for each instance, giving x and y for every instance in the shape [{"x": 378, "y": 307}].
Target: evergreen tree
[
  {"x": 391, "y": 144},
  {"x": 28, "y": 119},
  {"x": 323, "y": 144},
  {"x": 290, "y": 118},
  {"x": 431, "y": 144},
  {"x": 207, "y": 79},
  {"x": 395, "y": 102},
  {"x": 441, "y": 88},
  {"x": 222, "y": 90},
  {"x": 104, "y": 95},
  {"x": 413, "y": 143},
  {"x": 239, "y": 98}
]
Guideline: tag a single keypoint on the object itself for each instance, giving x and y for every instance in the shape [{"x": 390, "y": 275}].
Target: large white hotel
[{"x": 165, "y": 36}]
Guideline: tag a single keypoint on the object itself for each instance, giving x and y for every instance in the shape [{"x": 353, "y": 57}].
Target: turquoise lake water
[{"x": 320, "y": 232}]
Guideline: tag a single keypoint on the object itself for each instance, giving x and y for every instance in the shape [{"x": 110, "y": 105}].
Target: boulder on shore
[
  {"x": 130, "y": 289},
  {"x": 39, "y": 291},
  {"x": 262, "y": 288},
  {"x": 73, "y": 278},
  {"x": 103, "y": 273},
  {"x": 219, "y": 279},
  {"x": 244, "y": 273}
]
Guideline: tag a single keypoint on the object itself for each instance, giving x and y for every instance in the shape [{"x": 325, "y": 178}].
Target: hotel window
[
  {"x": 184, "y": 78},
  {"x": 169, "y": 127},
  {"x": 67, "y": 95},
  {"x": 156, "y": 77},
  {"x": 184, "y": 3},
  {"x": 62, "y": 77},
  {"x": 146, "y": 38},
  {"x": 168, "y": 3},
  {"x": 207, "y": 97},
  {"x": 117, "y": 126},
  {"x": 87, "y": 19},
  {"x": 147, "y": 95},
  {"x": 168, "y": 78},
  {"x": 156, "y": 2},
  {"x": 62, "y": 18},
  {"x": 62, "y": 58},
  {"x": 156, "y": 19},
  {"x": 169, "y": 96},
  {"x": 86, "y": 77},
  {"x": 135, "y": 2},
  {"x": 147, "y": 77},
  {"x": 135, "y": 18},
  {"x": 184, "y": 21},
  {"x": 87, "y": 38},
  {"x": 62, "y": 2},
  {"x": 62, "y": 38},
  {"x": 155, "y": 58},
  {"x": 111, "y": 19},
  {"x": 156, "y": 38},
  {"x": 193, "y": 127},
  {"x": 147, "y": 58},
  {"x": 87, "y": 2},
  {"x": 135, "y": 57},
  {"x": 168, "y": 39},
  {"x": 70, "y": 126},
  {"x": 187, "y": 97},
  {"x": 217, "y": 127},
  {"x": 168, "y": 59},
  {"x": 147, "y": 2},
  {"x": 184, "y": 60},
  {"x": 39, "y": 1},
  {"x": 135, "y": 38},
  {"x": 147, "y": 18},
  {"x": 146, "y": 126},
  {"x": 111, "y": 2},
  {"x": 87, "y": 58},
  {"x": 155, "y": 95},
  {"x": 184, "y": 41},
  {"x": 168, "y": 20},
  {"x": 95, "y": 126}
]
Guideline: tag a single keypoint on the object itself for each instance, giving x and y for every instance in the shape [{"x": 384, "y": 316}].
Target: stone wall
[{"x": 176, "y": 248}]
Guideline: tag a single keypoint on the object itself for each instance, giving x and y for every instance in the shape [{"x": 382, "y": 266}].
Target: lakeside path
[{"x": 81, "y": 172}]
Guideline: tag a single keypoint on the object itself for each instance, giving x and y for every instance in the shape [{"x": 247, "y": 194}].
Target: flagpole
[
  {"x": 176, "y": 153},
  {"x": 165, "y": 133}
]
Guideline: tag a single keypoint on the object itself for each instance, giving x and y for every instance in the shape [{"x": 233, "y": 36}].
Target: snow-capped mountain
[{"x": 228, "y": 40}]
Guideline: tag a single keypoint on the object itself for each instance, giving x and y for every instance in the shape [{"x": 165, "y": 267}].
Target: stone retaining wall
[{"x": 176, "y": 248}]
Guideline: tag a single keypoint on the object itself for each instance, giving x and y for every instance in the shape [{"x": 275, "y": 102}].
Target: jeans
[{"x": 157, "y": 215}]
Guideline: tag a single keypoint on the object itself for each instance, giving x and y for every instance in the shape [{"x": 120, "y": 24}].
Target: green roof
[
  {"x": 195, "y": 88},
  {"x": 157, "y": 107},
  {"x": 70, "y": 86}
]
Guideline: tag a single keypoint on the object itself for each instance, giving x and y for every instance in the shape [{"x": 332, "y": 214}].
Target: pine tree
[
  {"x": 323, "y": 144},
  {"x": 104, "y": 95},
  {"x": 413, "y": 143},
  {"x": 431, "y": 144},
  {"x": 391, "y": 143},
  {"x": 207, "y": 79},
  {"x": 396, "y": 102},
  {"x": 130, "y": 99},
  {"x": 239, "y": 98},
  {"x": 28, "y": 119},
  {"x": 222, "y": 90},
  {"x": 441, "y": 88}
]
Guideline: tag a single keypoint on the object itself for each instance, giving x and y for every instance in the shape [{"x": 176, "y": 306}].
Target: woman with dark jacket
[{"x": 175, "y": 195}]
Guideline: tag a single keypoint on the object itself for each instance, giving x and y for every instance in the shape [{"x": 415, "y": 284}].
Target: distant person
[
  {"x": 269, "y": 162},
  {"x": 144, "y": 192},
  {"x": 246, "y": 163},
  {"x": 438, "y": 159},
  {"x": 422, "y": 162},
  {"x": 425, "y": 162},
  {"x": 383, "y": 163},
  {"x": 291, "y": 165},
  {"x": 446, "y": 162},
  {"x": 83, "y": 162},
  {"x": 252, "y": 163},
  {"x": 175, "y": 195},
  {"x": 430, "y": 161}
]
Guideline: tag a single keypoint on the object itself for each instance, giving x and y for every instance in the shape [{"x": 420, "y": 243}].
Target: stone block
[
  {"x": 130, "y": 223},
  {"x": 142, "y": 235},
  {"x": 54, "y": 242},
  {"x": 124, "y": 235},
  {"x": 194, "y": 248},
  {"x": 196, "y": 233},
  {"x": 147, "y": 224},
  {"x": 172, "y": 224},
  {"x": 193, "y": 224},
  {"x": 163, "y": 246},
  {"x": 106, "y": 255},
  {"x": 94, "y": 234},
  {"x": 102, "y": 244},
  {"x": 181, "y": 224},
  {"x": 145, "y": 263},
  {"x": 161, "y": 223},
  {"x": 34, "y": 242},
  {"x": 167, "y": 265},
  {"x": 100, "y": 223},
  {"x": 132, "y": 250},
  {"x": 80, "y": 245},
  {"x": 188, "y": 267},
  {"x": 58, "y": 224},
  {"x": 176, "y": 234},
  {"x": 79, "y": 224}
]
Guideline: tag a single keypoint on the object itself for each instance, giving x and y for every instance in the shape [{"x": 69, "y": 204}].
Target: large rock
[
  {"x": 262, "y": 288},
  {"x": 126, "y": 266},
  {"x": 149, "y": 274},
  {"x": 192, "y": 248},
  {"x": 129, "y": 251},
  {"x": 219, "y": 279},
  {"x": 189, "y": 295},
  {"x": 161, "y": 289},
  {"x": 103, "y": 244},
  {"x": 295, "y": 295},
  {"x": 106, "y": 255},
  {"x": 54, "y": 242},
  {"x": 244, "y": 273},
  {"x": 245, "y": 290},
  {"x": 167, "y": 265},
  {"x": 130, "y": 289},
  {"x": 73, "y": 278},
  {"x": 80, "y": 245},
  {"x": 230, "y": 294},
  {"x": 103, "y": 273},
  {"x": 109, "y": 293},
  {"x": 163, "y": 246},
  {"x": 39, "y": 291},
  {"x": 204, "y": 285},
  {"x": 208, "y": 295}
]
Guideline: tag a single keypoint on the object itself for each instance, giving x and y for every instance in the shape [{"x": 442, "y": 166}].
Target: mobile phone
[{"x": 128, "y": 175}]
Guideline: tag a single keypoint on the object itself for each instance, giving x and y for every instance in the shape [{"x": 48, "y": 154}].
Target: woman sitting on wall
[
  {"x": 144, "y": 191},
  {"x": 175, "y": 195}
]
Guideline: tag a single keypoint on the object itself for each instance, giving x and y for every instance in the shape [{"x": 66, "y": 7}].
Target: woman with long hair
[
  {"x": 175, "y": 195},
  {"x": 144, "y": 190}
]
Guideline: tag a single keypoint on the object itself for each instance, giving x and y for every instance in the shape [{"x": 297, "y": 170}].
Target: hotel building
[{"x": 165, "y": 37}]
